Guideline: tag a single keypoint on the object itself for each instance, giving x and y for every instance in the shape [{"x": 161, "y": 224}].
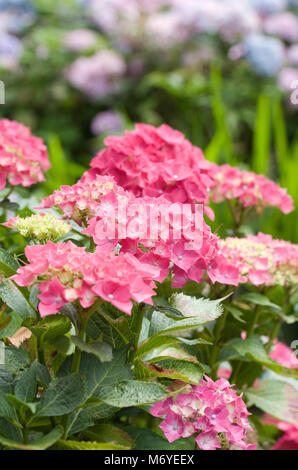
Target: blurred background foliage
[{"x": 199, "y": 77}]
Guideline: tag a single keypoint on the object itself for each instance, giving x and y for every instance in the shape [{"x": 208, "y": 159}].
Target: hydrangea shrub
[{"x": 102, "y": 329}]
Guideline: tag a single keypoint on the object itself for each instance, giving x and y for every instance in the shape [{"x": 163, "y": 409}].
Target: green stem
[
  {"x": 25, "y": 436},
  {"x": 83, "y": 319},
  {"x": 273, "y": 335},
  {"x": 253, "y": 321},
  {"x": 238, "y": 364},
  {"x": 137, "y": 328},
  {"x": 219, "y": 327}
]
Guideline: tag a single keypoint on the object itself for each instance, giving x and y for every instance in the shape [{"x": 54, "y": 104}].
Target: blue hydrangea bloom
[
  {"x": 265, "y": 53},
  {"x": 268, "y": 6}
]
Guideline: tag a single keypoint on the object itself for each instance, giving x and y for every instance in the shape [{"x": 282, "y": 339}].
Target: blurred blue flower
[
  {"x": 11, "y": 50},
  {"x": 16, "y": 4},
  {"x": 268, "y": 6},
  {"x": 266, "y": 54}
]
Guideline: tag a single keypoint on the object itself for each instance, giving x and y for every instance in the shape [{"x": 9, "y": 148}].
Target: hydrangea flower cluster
[
  {"x": 81, "y": 201},
  {"x": 67, "y": 273},
  {"x": 152, "y": 161},
  {"x": 249, "y": 188},
  {"x": 259, "y": 260},
  {"x": 284, "y": 355},
  {"x": 212, "y": 410},
  {"x": 164, "y": 241},
  {"x": 97, "y": 75},
  {"x": 40, "y": 227},
  {"x": 23, "y": 157},
  {"x": 289, "y": 439}
]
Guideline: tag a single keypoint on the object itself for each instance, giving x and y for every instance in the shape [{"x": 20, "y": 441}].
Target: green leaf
[
  {"x": 235, "y": 312},
  {"x": 6, "y": 380},
  {"x": 162, "y": 342},
  {"x": 86, "y": 445},
  {"x": 277, "y": 398},
  {"x": 9, "y": 431},
  {"x": 8, "y": 265},
  {"x": 17, "y": 298},
  {"x": 26, "y": 385},
  {"x": 87, "y": 415},
  {"x": 51, "y": 326},
  {"x": 175, "y": 369},
  {"x": 16, "y": 359},
  {"x": 110, "y": 434},
  {"x": 165, "y": 325},
  {"x": 98, "y": 375},
  {"x": 149, "y": 440},
  {"x": 41, "y": 444},
  {"x": 21, "y": 407},
  {"x": 132, "y": 393},
  {"x": 13, "y": 326},
  {"x": 254, "y": 349},
  {"x": 63, "y": 396},
  {"x": 259, "y": 299},
  {"x": 7, "y": 410},
  {"x": 101, "y": 374},
  {"x": 100, "y": 349},
  {"x": 115, "y": 331}
]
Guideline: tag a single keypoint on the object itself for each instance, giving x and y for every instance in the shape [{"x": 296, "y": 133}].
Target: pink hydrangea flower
[
  {"x": 213, "y": 410},
  {"x": 81, "y": 201},
  {"x": 23, "y": 157},
  {"x": 284, "y": 355},
  {"x": 67, "y": 273},
  {"x": 79, "y": 40},
  {"x": 259, "y": 260},
  {"x": 289, "y": 438},
  {"x": 249, "y": 189},
  {"x": 158, "y": 241},
  {"x": 152, "y": 161},
  {"x": 283, "y": 25}
]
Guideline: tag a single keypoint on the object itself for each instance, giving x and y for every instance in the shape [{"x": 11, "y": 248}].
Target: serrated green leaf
[
  {"x": 88, "y": 415},
  {"x": 115, "y": 331},
  {"x": 132, "y": 393},
  {"x": 8, "y": 265},
  {"x": 180, "y": 325},
  {"x": 16, "y": 359},
  {"x": 63, "y": 396},
  {"x": 170, "y": 368},
  {"x": 26, "y": 386},
  {"x": 17, "y": 298},
  {"x": 100, "y": 349},
  {"x": 98, "y": 375},
  {"x": 51, "y": 326},
  {"x": 6, "y": 380},
  {"x": 276, "y": 398}
]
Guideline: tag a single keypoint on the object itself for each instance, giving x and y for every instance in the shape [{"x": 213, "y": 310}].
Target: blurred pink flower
[{"x": 80, "y": 39}]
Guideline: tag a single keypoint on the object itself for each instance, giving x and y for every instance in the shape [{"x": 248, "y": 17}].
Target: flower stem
[
  {"x": 253, "y": 321},
  {"x": 219, "y": 326}
]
